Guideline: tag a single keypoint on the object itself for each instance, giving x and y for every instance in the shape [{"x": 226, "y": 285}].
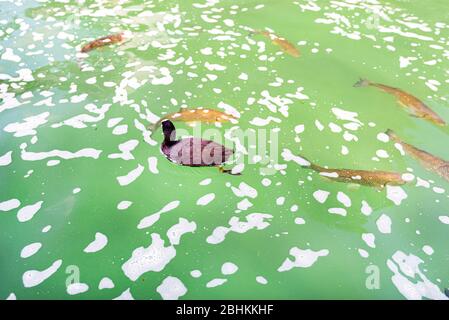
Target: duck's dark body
[
  {"x": 193, "y": 152},
  {"x": 196, "y": 152}
]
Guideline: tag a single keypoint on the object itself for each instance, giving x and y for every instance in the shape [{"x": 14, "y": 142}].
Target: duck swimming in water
[{"x": 193, "y": 152}]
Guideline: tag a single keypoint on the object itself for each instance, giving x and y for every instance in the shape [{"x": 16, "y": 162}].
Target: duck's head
[{"x": 169, "y": 130}]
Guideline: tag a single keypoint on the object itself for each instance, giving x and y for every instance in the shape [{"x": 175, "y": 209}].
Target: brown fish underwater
[
  {"x": 103, "y": 41},
  {"x": 285, "y": 45},
  {"x": 416, "y": 107},
  {"x": 427, "y": 160},
  {"x": 203, "y": 115},
  {"x": 378, "y": 179}
]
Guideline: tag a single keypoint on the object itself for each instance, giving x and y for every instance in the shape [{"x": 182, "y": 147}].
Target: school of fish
[{"x": 378, "y": 179}]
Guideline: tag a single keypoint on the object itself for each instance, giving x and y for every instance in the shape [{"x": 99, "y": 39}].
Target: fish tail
[{"x": 362, "y": 83}]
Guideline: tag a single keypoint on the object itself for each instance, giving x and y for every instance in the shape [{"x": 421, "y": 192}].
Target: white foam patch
[
  {"x": 261, "y": 280},
  {"x": 363, "y": 253},
  {"x": 125, "y": 149},
  {"x": 253, "y": 221},
  {"x": 260, "y": 122},
  {"x": 125, "y": 295},
  {"x": 153, "y": 218},
  {"x": 152, "y": 165},
  {"x": 98, "y": 244},
  {"x": 195, "y": 273},
  {"x": 171, "y": 288},
  {"x": 280, "y": 201},
  {"x": 123, "y": 205},
  {"x": 11, "y": 296},
  {"x": 245, "y": 204},
  {"x": 206, "y": 199},
  {"x": 229, "y": 109},
  {"x": 66, "y": 155},
  {"x": 33, "y": 278},
  {"x": 113, "y": 122},
  {"x": 444, "y": 219},
  {"x": 346, "y": 115},
  {"x": 238, "y": 168},
  {"x": 30, "y": 250},
  {"x": 384, "y": 224},
  {"x": 366, "y": 209},
  {"x": 216, "y": 282},
  {"x": 9, "y": 55},
  {"x": 206, "y": 182},
  {"x": 302, "y": 258},
  {"x": 369, "y": 239},
  {"x": 338, "y": 211},
  {"x": 422, "y": 183},
  {"x": 229, "y": 268},
  {"x": 27, "y": 213},
  {"x": 175, "y": 232},
  {"x": 438, "y": 190},
  {"x": 344, "y": 199},
  {"x": 27, "y": 128},
  {"x": 287, "y": 155},
  {"x": 9, "y": 205},
  {"x": 119, "y": 130},
  {"x": 383, "y": 137},
  {"x": 396, "y": 194},
  {"x": 77, "y": 288},
  {"x": 409, "y": 279},
  {"x": 299, "y": 128},
  {"x": 153, "y": 258},
  {"x": 6, "y": 159},
  {"x": 131, "y": 176},
  {"x": 244, "y": 190},
  {"x": 428, "y": 250},
  {"x": 382, "y": 154},
  {"x": 321, "y": 196},
  {"x": 106, "y": 283},
  {"x": 52, "y": 163}
]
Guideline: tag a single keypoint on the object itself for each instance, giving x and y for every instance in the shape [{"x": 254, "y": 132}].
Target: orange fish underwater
[
  {"x": 286, "y": 46},
  {"x": 104, "y": 41},
  {"x": 416, "y": 107},
  {"x": 427, "y": 160},
  {"x": 195, "y": 115},
  {"x": 378, "y": 179}
]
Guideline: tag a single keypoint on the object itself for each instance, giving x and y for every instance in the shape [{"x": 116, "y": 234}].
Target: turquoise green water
[{"x": 56, "y": 105}]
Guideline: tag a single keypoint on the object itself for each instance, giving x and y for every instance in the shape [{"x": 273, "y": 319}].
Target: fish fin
[{"x": 362, "y": 83}]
